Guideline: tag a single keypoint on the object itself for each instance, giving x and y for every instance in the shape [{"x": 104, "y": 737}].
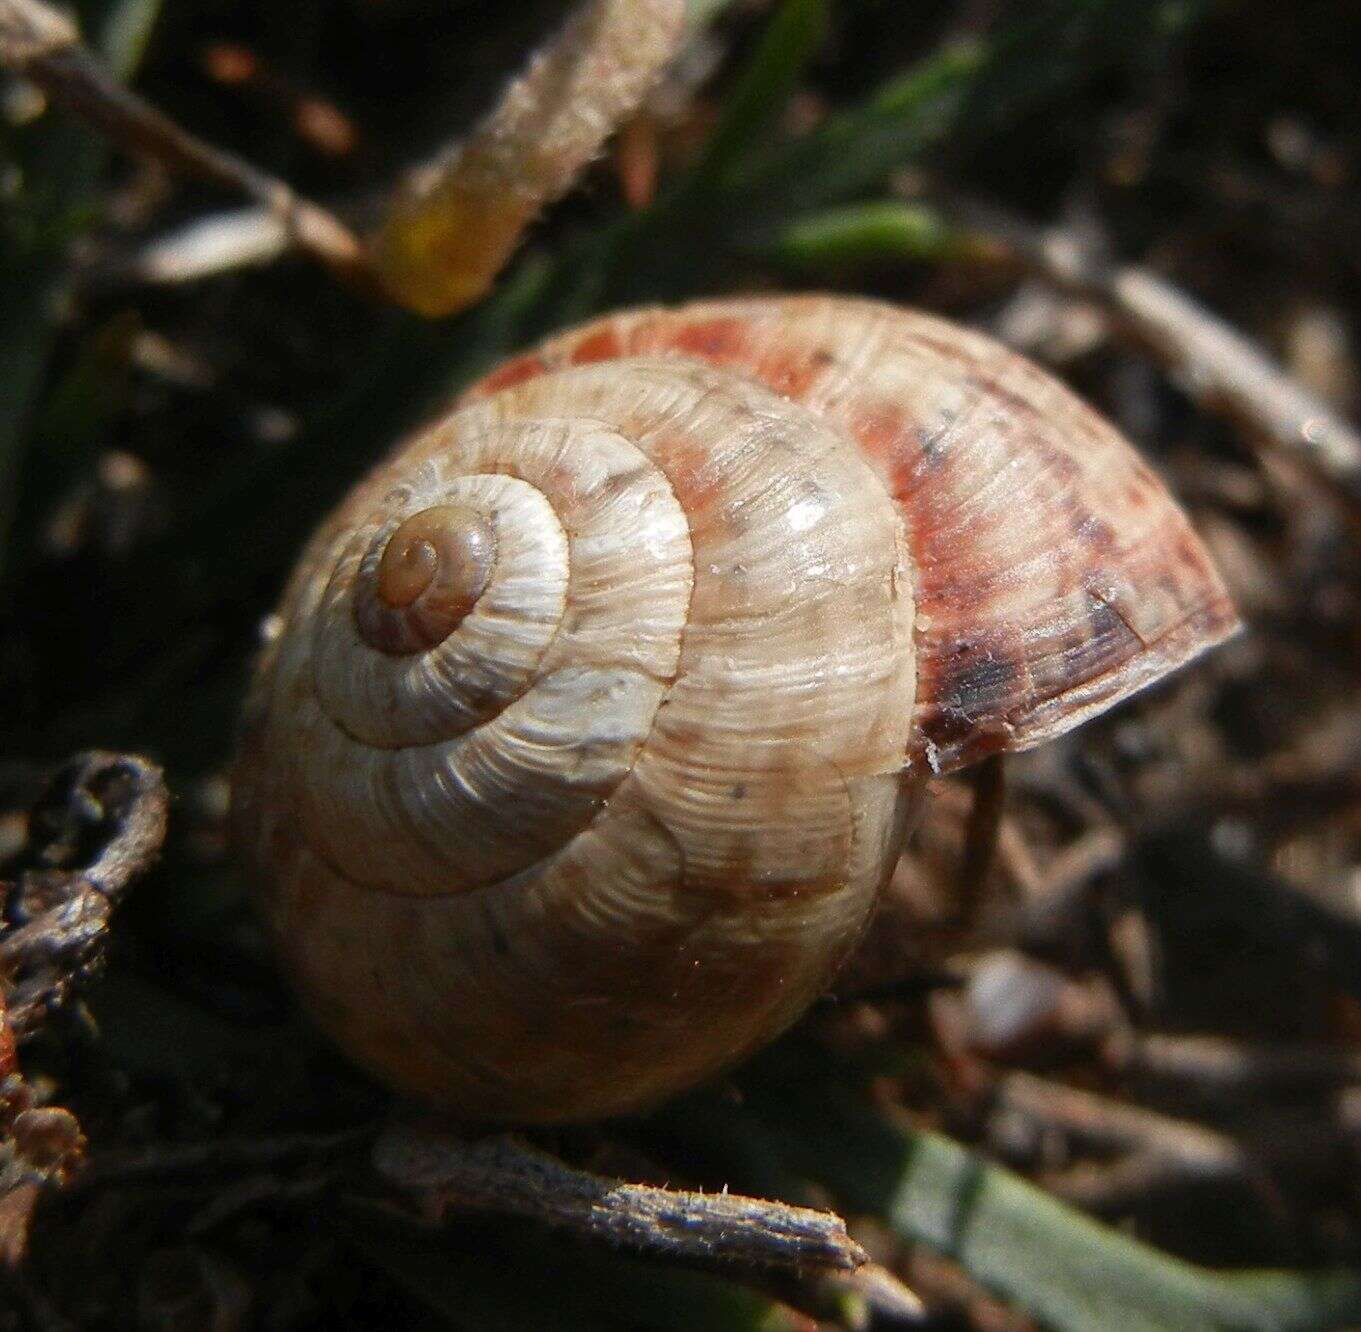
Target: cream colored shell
[{"x": 617, "y": 827}]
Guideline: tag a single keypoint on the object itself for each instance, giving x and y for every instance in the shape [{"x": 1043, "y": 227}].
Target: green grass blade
[
  {"x": 868, "y": 233},
  {"x": 124, "y": 33},
  {"x": 1020, "y": 1242},
  {"x": 962, "y": 94},
  {"x": 855, "y": 150},
  {"x": 789, "y": 44}
]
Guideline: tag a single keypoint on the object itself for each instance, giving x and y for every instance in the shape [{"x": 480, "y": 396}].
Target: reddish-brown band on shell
[{"x": 1054, "y": 574}]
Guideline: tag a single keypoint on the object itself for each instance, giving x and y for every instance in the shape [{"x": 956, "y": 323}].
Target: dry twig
[
  {"x": 44, "y": 47},
  {"x": 204, "y": 247},
  {"x": 455, "y": 222},
  {"x": 1217, "y": 1069},
  {"x": 506, "y": 1175},
  {"x": 1147, "y": 1154},
  {"x": 1112, "y": 1127}
]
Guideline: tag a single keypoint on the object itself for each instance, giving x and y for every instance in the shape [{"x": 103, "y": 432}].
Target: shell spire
[
  {"x": 1054, "y": 574},
  {"x": 599, "y": 712}
]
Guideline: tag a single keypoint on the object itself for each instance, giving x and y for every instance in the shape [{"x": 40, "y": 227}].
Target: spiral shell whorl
[
  {"x": 452, "y": 767},
  {"x": 594, "y": 728},
  {"x": 637, "y": 801}
]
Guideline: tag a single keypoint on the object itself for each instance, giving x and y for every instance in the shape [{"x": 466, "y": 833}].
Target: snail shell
[{"x": 600, "y": 711}]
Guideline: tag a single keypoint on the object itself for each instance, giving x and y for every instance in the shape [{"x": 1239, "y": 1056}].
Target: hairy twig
[
  {"x": 508, "y": 1176},
  {"x": 457, "y": 220},
  {"x": 44, "y": 47}
]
